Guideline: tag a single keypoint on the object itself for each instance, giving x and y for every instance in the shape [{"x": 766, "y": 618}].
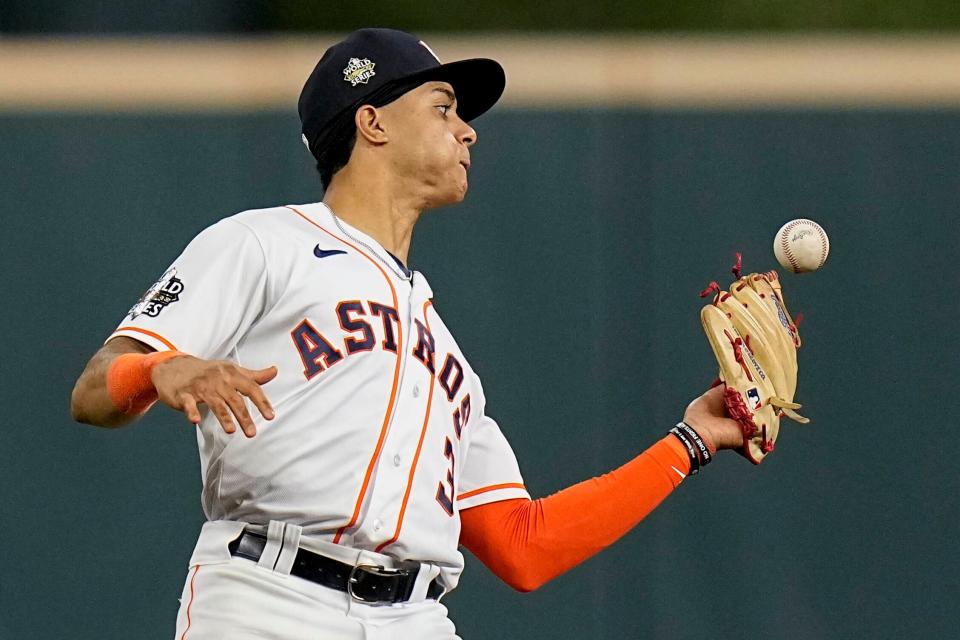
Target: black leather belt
[{"x": 365, "y": 582}]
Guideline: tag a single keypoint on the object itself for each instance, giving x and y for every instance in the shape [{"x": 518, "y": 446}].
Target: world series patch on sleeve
[{"x": 755, "y": 342}]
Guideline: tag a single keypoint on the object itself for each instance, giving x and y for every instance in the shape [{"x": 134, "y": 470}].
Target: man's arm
[
  {"x": 527, "y": 543},
  {"x": 90, "y": 401},
  {"x": 182, "y": 383}
]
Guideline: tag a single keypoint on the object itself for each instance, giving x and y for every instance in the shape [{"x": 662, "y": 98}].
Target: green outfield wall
[
  {"x": 246, "y": 16},
  {"x": 570, "y": 278}
]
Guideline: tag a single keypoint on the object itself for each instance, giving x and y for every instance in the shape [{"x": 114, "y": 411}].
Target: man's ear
[{"x": 370, "y": 125}]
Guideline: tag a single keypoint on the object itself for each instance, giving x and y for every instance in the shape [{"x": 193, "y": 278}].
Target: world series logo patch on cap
[{"x": 358, "y": 71}]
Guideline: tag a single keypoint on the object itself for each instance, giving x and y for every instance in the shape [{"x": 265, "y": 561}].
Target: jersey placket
[{"x": 395, "y": 469}]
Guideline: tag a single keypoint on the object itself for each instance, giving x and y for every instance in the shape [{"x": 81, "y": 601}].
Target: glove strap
[{"x": 696, "y": 448}]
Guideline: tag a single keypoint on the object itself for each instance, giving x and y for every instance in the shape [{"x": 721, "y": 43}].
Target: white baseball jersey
[{"x": 380, "y": 435}]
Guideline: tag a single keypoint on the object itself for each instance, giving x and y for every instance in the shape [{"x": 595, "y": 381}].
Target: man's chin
[
  {"x": 462, "y": 191},
  {"x": 449, "y": 199}
]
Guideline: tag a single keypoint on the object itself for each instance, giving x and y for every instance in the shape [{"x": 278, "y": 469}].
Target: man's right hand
[
  {"x": 707, "y": 416},
  {"x": 185, "y": 382}
]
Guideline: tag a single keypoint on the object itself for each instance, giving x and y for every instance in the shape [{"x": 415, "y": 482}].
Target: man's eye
[{"x": 444, "y": 108}]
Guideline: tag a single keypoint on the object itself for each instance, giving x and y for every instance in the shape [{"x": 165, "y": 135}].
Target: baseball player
[{"x": 366, "y": 455}]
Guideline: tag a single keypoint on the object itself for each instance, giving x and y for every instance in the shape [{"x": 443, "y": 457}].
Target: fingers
[
  {"x": 219, "y": 385},
  {"x": 190, "y": 408},
  {"x": 224, "y": 406},
  {"x": 249, "y": 385},
  {"x": 261, "y": 376},
  {"x": 230, "y": 408},
  {"x": 259, "y": 399},
  {"x": 714, "y": 397},
  {"x": 717, "y": 391},
  {"x": 220, "y": 409},
  {"x": 239, "y": 408},
  {"x": 710, "y": 403}
]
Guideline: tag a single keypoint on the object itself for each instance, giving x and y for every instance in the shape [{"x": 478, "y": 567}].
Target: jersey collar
[{"x": 340, "y": 225}]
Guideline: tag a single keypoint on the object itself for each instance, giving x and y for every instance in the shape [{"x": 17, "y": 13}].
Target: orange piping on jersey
[
  {"x": 196, "y": 570},
  {"x": 493, "y": 487},
  {"x": 157, "y": 336},
  {"x": 393, "y": 389},
  {"x": 416, "y": 456}
]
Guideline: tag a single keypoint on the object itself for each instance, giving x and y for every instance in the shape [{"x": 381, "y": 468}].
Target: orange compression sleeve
[
  {"x": 128, "y": 380},
  {"x": 526, "y": 543}
]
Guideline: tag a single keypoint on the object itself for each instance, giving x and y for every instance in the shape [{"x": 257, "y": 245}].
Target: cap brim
[{"x": 477, "y": 82}]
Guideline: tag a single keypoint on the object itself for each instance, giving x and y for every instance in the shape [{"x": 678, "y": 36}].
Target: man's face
[{"x": 429, "y": 142}]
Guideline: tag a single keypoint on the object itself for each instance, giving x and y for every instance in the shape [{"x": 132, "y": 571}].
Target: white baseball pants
[
  {"x": 226, "y": 597},
  {"x": 240, "y": 601}
]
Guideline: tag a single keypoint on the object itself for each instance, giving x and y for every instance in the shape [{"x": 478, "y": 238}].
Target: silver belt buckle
[{"x": 372, "y": 569}]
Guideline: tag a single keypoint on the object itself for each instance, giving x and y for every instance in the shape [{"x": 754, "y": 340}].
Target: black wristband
[
  {"x": 690, "y": 447},
  {"x": 702, "y": 449}
]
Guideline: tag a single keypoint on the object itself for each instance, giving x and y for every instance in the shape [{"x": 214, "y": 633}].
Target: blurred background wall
[
  {"x": 635, "y": 150},
  {"x": 232, "y": 16}
]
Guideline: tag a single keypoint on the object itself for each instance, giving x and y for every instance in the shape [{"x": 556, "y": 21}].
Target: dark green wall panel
[
  {"x": 570, "y": 278},
  {"x": 271, "y": 16}
]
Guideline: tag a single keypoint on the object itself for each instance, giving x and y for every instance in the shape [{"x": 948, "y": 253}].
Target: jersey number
[{"x": 447, "y": 501}]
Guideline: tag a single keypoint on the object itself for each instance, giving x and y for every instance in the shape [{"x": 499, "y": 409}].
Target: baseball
[{"x": 801, "y": 246}]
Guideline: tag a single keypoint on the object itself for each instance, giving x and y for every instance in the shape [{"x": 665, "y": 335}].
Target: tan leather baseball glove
[{"x": 755, "y": 342}]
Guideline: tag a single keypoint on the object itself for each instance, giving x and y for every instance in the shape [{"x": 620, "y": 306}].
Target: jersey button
[
  {"x": 416, "y": 391},
  {"x": 396, "y": 460},
  {"x": 377, "y": 525}
]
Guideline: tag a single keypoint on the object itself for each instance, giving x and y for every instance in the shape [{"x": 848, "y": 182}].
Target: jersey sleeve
[
  {"x": 208, "y": 298},
  {"x": 490, "y": 471}
]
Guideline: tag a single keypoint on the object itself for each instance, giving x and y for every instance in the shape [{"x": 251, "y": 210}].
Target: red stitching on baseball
[
  {"x": 784, "y": 235},
  {"x": 824, "y": 243}
]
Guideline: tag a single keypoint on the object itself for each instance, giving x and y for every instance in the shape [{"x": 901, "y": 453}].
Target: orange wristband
[{"x": 129, "y": 384}]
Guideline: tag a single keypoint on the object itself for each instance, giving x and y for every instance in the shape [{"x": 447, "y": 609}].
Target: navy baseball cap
[{"x": 377, "y": 66}]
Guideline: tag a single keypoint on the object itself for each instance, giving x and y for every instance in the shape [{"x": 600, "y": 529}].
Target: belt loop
[
  {"x": 268, "y": 559},
  {"x": 425, "y": 576},
  {"x": 288, "y": 549}
]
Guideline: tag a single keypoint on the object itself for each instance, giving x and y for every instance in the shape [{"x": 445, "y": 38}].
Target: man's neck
[{"x": 374, "y": 209}]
